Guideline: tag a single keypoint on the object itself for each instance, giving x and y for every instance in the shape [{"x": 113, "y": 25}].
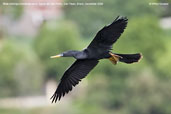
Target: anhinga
[{"x": 87, "y": 59}]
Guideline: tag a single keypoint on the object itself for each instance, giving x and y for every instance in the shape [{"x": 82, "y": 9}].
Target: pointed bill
[{"x": 57, "y": 56}]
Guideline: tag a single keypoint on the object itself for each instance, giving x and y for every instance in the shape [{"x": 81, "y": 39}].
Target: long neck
[
  {"x": 80, "y": 55},
  {"x": 75, "y": 54}
]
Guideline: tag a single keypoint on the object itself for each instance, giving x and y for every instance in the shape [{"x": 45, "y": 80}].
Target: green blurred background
[{"x": 29, "y": 35}]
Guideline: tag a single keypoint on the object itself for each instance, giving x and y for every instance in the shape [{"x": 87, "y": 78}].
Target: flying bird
[{"x": 87, "y": 59}]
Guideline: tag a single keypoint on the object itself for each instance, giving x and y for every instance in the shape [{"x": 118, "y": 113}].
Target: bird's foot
[{"x": 114, "y": 58}]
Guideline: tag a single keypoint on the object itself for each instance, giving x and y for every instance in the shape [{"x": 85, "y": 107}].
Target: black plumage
[
  {"x": 99, "y": 48},
  {"x": 109, "y": 34},
  {"x": 78, "y": 70}
]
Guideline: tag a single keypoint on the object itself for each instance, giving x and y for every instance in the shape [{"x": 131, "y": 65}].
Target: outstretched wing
[
  {"x": 109, "y": 34},
  {"x": 78, "y": 70}
]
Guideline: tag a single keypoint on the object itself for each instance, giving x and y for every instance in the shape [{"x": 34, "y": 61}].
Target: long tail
[
  {"x": 126, "y": 58},
  {"x": 129, "y": 58}
]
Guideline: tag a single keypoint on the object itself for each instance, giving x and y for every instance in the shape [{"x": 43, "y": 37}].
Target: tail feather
[{"x": 129, "y": 58}]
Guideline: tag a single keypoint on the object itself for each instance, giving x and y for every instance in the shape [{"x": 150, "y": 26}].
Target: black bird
[{"x": 87, "y": 59}]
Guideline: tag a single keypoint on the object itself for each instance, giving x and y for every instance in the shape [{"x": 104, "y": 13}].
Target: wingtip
[
  {"x": 54, "y": 98},
  {"x": 117, "y": 17},
  {"x": 121, "y": 18},
  {"x": 141, "y": 56}
]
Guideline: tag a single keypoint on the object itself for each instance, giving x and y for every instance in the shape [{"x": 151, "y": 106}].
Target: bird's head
[{"x": 71, "y": 53}]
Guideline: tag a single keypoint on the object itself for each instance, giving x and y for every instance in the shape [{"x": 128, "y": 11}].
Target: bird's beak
[{"x": 56, "y": 56}]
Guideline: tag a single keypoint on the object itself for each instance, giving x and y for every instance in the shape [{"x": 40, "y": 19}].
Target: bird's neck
[{"x": 80, "y": 55}]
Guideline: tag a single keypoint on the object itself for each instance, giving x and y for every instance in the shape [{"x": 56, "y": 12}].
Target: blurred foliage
[
  {"x": 8, "y": 55},
  {"x": 55, "y": 38},
  {"x": 16, "y": 66},
  {"x": 92, "y": 18},
  {"x": 14, "y": 12},
  {"x": 164, "y": 60},
  {"x": 141, "y": 93},
  {"x": 166, "y": 8}
]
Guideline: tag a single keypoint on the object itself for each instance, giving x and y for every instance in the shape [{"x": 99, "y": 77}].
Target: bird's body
[
  {"x": 93, "y": 54},
  {"x": 88, "y": 53},
  {"x": 87, "y": 59}
]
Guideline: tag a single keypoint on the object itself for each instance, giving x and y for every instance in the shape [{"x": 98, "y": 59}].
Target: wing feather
[
  {"x": 78, "y": 70},
  {"x": 109, "y": 34}
]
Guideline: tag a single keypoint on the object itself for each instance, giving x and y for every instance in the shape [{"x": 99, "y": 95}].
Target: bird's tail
[{"x": 126, "y": 58}]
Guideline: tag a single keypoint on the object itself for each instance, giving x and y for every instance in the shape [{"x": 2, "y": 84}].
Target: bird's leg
[{"x": 114, "y": 58}]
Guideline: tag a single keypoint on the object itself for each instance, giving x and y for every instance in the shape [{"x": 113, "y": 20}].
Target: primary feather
[{"x": 109, "y": 34}]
